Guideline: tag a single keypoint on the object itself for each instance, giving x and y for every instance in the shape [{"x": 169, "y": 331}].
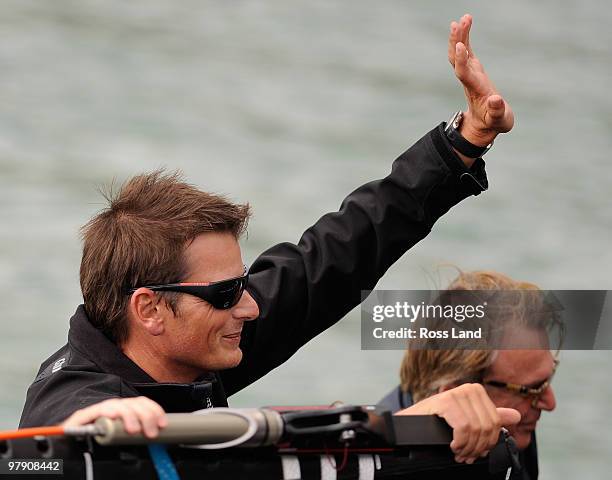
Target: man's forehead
[
  {"x": 213, "y": 256},
  {"x": 522, "y": 366}
]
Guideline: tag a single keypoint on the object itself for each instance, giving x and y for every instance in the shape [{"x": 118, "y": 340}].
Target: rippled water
[{"x": 290, "y": 105}]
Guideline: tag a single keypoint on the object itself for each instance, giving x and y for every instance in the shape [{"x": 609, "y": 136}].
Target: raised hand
[{"x": 488, "y": 113}]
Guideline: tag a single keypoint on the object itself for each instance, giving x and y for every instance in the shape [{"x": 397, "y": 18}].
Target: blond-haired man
[{"x": 517, "y": 378}]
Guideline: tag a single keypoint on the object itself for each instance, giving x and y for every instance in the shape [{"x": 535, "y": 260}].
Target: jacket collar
[
  {"x": 205, "y": 392},
  {"x": 97, "y": 347}
]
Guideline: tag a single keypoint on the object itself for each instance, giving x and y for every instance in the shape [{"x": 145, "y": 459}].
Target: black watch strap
[{"x": 458, "y": 142}]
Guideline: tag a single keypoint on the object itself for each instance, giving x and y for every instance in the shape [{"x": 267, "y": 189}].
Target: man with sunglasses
[
  {"x": 516, "y": 373},
  {"x": 168, "y": 323}
]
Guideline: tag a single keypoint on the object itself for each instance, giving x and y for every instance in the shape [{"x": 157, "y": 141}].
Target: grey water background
[{"x": 291, "y": 105}]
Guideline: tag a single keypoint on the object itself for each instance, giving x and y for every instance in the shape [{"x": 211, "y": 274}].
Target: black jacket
[{"x": 301, "y": 290}]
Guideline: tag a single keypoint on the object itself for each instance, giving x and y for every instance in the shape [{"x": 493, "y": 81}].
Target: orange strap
[{"x": 31, "y": 432}]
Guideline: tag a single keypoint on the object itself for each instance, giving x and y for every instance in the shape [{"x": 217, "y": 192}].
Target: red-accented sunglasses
[{"x": 222, "y": 295}]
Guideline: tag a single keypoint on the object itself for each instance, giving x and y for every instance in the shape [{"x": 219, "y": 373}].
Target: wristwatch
[{"x": 459, "y": 142}]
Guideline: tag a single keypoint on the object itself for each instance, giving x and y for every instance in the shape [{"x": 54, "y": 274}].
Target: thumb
[
  {"x": 495, "y": 107},
  {"x": 508, "y": 416}
]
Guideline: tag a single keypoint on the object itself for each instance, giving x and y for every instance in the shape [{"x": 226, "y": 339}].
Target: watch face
[
  {"x": 457, "y": 119},
  {"x": 454, "y": 121}
]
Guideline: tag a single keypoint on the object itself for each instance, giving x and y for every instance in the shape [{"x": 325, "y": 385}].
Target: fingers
[
  {"x": 149, "y": 415},
  {"x": 490, "y": 424},
  {"x": 508, "y": 416},
  {"x": 90, "y": 414},
  {"x": 452, "y": 41},
  {"x": 498, "y": 115},
  {"x": 459, "y": 32},
  {"x": 112, "y": 408},
  {"x": 139, "y": 414},
  {"x": 467, "y": 436},
  {"x": 466, "y": 25},
  {"x": 475, "y": 421},
  {"x": 495, "y": 107},
  {"x": 461, "y": 65}
]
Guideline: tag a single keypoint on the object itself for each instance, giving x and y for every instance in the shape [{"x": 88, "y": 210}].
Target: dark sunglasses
[{"x": 222, "y": 295}]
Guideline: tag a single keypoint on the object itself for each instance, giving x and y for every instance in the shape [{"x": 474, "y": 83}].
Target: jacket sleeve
[{"x": 304, "y": 289}]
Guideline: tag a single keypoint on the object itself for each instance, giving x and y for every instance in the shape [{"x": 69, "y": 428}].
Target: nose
[
  {"x": 246, "y": 309},
  {"x": 547, "y": 400}
]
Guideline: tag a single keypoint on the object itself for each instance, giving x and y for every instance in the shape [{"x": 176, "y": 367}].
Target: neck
[{"x": 153, "y": 360}]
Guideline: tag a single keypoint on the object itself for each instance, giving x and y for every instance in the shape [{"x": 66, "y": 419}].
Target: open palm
[{"x": 488, "y": 113}]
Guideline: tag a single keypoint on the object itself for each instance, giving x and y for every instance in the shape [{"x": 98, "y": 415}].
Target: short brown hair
[
  {"x": 423, "y": 371},
  {"x": 140, "y": 239}
]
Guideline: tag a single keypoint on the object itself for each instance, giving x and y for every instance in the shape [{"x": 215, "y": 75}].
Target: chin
[
  {"x": 522, "y": 438},
  {"x": 229, "y": 359}
]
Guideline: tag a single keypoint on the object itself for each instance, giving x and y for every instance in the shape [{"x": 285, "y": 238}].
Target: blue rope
[{"x": 162, "y": 462}]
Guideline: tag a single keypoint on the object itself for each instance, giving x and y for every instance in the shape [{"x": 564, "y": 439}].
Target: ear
[{"x": 147, "y": 312}]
